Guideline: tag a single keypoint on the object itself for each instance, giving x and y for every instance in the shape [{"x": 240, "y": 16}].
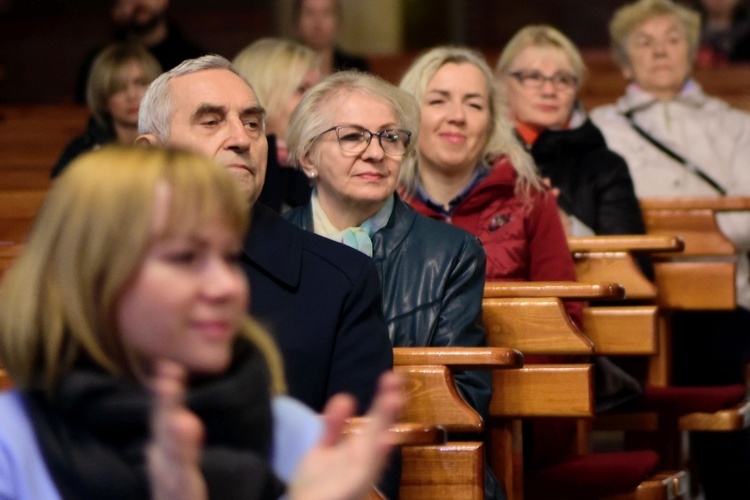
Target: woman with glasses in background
[
  {"x": 539, "y": 73},
  {"x": 350, "y": 134}
]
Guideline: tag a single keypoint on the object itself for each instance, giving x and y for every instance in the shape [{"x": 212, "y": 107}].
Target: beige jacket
[{"x": 705, "y": 131}]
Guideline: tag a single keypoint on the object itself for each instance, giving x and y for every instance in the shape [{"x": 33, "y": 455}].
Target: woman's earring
[{"x": 312, "y": 175}]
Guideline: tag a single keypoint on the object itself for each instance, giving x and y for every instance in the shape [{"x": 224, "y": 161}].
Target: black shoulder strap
[{"x": 691, "y": 167}]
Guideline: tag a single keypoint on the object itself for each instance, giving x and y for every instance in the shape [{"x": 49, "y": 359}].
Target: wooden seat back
[
  {"x": 32, "y": 138},
  {"x": 530, "y": 317},
  {"x": 454, "y": 469},
  {"x": 566, "y": 395},
  {"x": 702, "y": 277},
  {"x": 18, "y": 210}
]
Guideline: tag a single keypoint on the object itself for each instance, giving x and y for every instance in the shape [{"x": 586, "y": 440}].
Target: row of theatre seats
[{"x": 626, "y": 315}]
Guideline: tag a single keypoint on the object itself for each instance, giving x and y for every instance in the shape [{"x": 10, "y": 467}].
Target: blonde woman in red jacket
[{"x": 471, "y": 171}]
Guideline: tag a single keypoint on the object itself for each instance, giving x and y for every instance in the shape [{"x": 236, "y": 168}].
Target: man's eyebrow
[
  {"x": 253, "y": 111},
  {"x": 208, "y": 109}
]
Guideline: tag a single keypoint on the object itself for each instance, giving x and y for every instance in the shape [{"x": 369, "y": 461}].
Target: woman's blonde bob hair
[
  {"x": 59, "y": 300},
  {"x": 107, "y": 75},
  {"x": 630, "y": 16},
  {"x": 540, "y": 35},
  {"x": 276, "y": 67},
  {"x": 500, "y": 138},
  {"x": 314, "y": 113}
]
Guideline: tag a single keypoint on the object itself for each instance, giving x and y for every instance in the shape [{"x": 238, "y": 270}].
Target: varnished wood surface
[
  {"x": 572, "y": 290},
  {"x": 459, "y": 358},
  {"x": 543, "y": 391},
  {"x": 533, "y": 326},
  {"x": 626, "y": 243}
]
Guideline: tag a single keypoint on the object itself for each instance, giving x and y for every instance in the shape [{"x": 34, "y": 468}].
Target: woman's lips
[
  {"x": 453, "y": 138},
  {"x": 214, "y": 330}
]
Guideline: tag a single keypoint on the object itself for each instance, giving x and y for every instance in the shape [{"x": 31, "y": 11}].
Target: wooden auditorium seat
[
  {"x": 665, "y": 410},
  {"x": 579, "y": 474},
  {"x": 454, "y": 469}
]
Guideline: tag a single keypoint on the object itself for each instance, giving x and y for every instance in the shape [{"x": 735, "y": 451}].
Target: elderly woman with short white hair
[{"x": 350, "y": 134}]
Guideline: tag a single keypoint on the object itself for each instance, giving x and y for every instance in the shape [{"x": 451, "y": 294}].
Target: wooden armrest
[
  {"x": 715, "y": 203},
  {"x": 729, "y": 419},
  {"x": 543, "y": 391},
  {"x": 459, "y": 358},
  {"x": 402, "y": 433},
  {"x": 626, "y": 243},
  {"x": 560, "y": 289}
]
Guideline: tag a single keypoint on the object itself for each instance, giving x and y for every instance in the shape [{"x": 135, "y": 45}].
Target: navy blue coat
[{"x": 322, "y": 303}]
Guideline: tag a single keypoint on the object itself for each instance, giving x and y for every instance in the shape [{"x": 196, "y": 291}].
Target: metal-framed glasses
[
  {"x": 355, "y": 139},
  {"x": 536, "y": 80}
]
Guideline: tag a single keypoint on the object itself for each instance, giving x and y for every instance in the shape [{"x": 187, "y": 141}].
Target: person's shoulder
[
  {"x": 334, "y": 255},
  {"x": 322, "y": 249},
  {"x": 604, "y": 113},
  {"x": 720, "y": 107},
  {"x": 598, "y": 155},
  {"x": 16, "y": 431}
]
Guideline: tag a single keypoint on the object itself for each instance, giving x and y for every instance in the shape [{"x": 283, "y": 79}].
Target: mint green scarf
[{"x": 357, "y": 237}]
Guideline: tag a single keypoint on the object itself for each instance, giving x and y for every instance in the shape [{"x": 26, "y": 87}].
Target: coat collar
[
  {"x": 390, "y": 237},
  {"x": 384, "y": 241},
  {"x": 636, "y": 99},
  {"x": 274, "y": 245}
]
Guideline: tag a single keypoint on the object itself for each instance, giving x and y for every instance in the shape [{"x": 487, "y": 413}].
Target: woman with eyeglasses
[
  {"x": 539, "y": 73},
  {"x": 350, "y": 134}
]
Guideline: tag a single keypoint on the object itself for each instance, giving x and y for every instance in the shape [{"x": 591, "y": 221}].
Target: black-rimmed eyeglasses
[
  {"x": 535, "y": 79},
  {"x": 354, "y": 139}
]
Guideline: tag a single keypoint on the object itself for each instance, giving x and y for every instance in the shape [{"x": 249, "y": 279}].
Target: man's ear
[{"x": 147, "y": 140}]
